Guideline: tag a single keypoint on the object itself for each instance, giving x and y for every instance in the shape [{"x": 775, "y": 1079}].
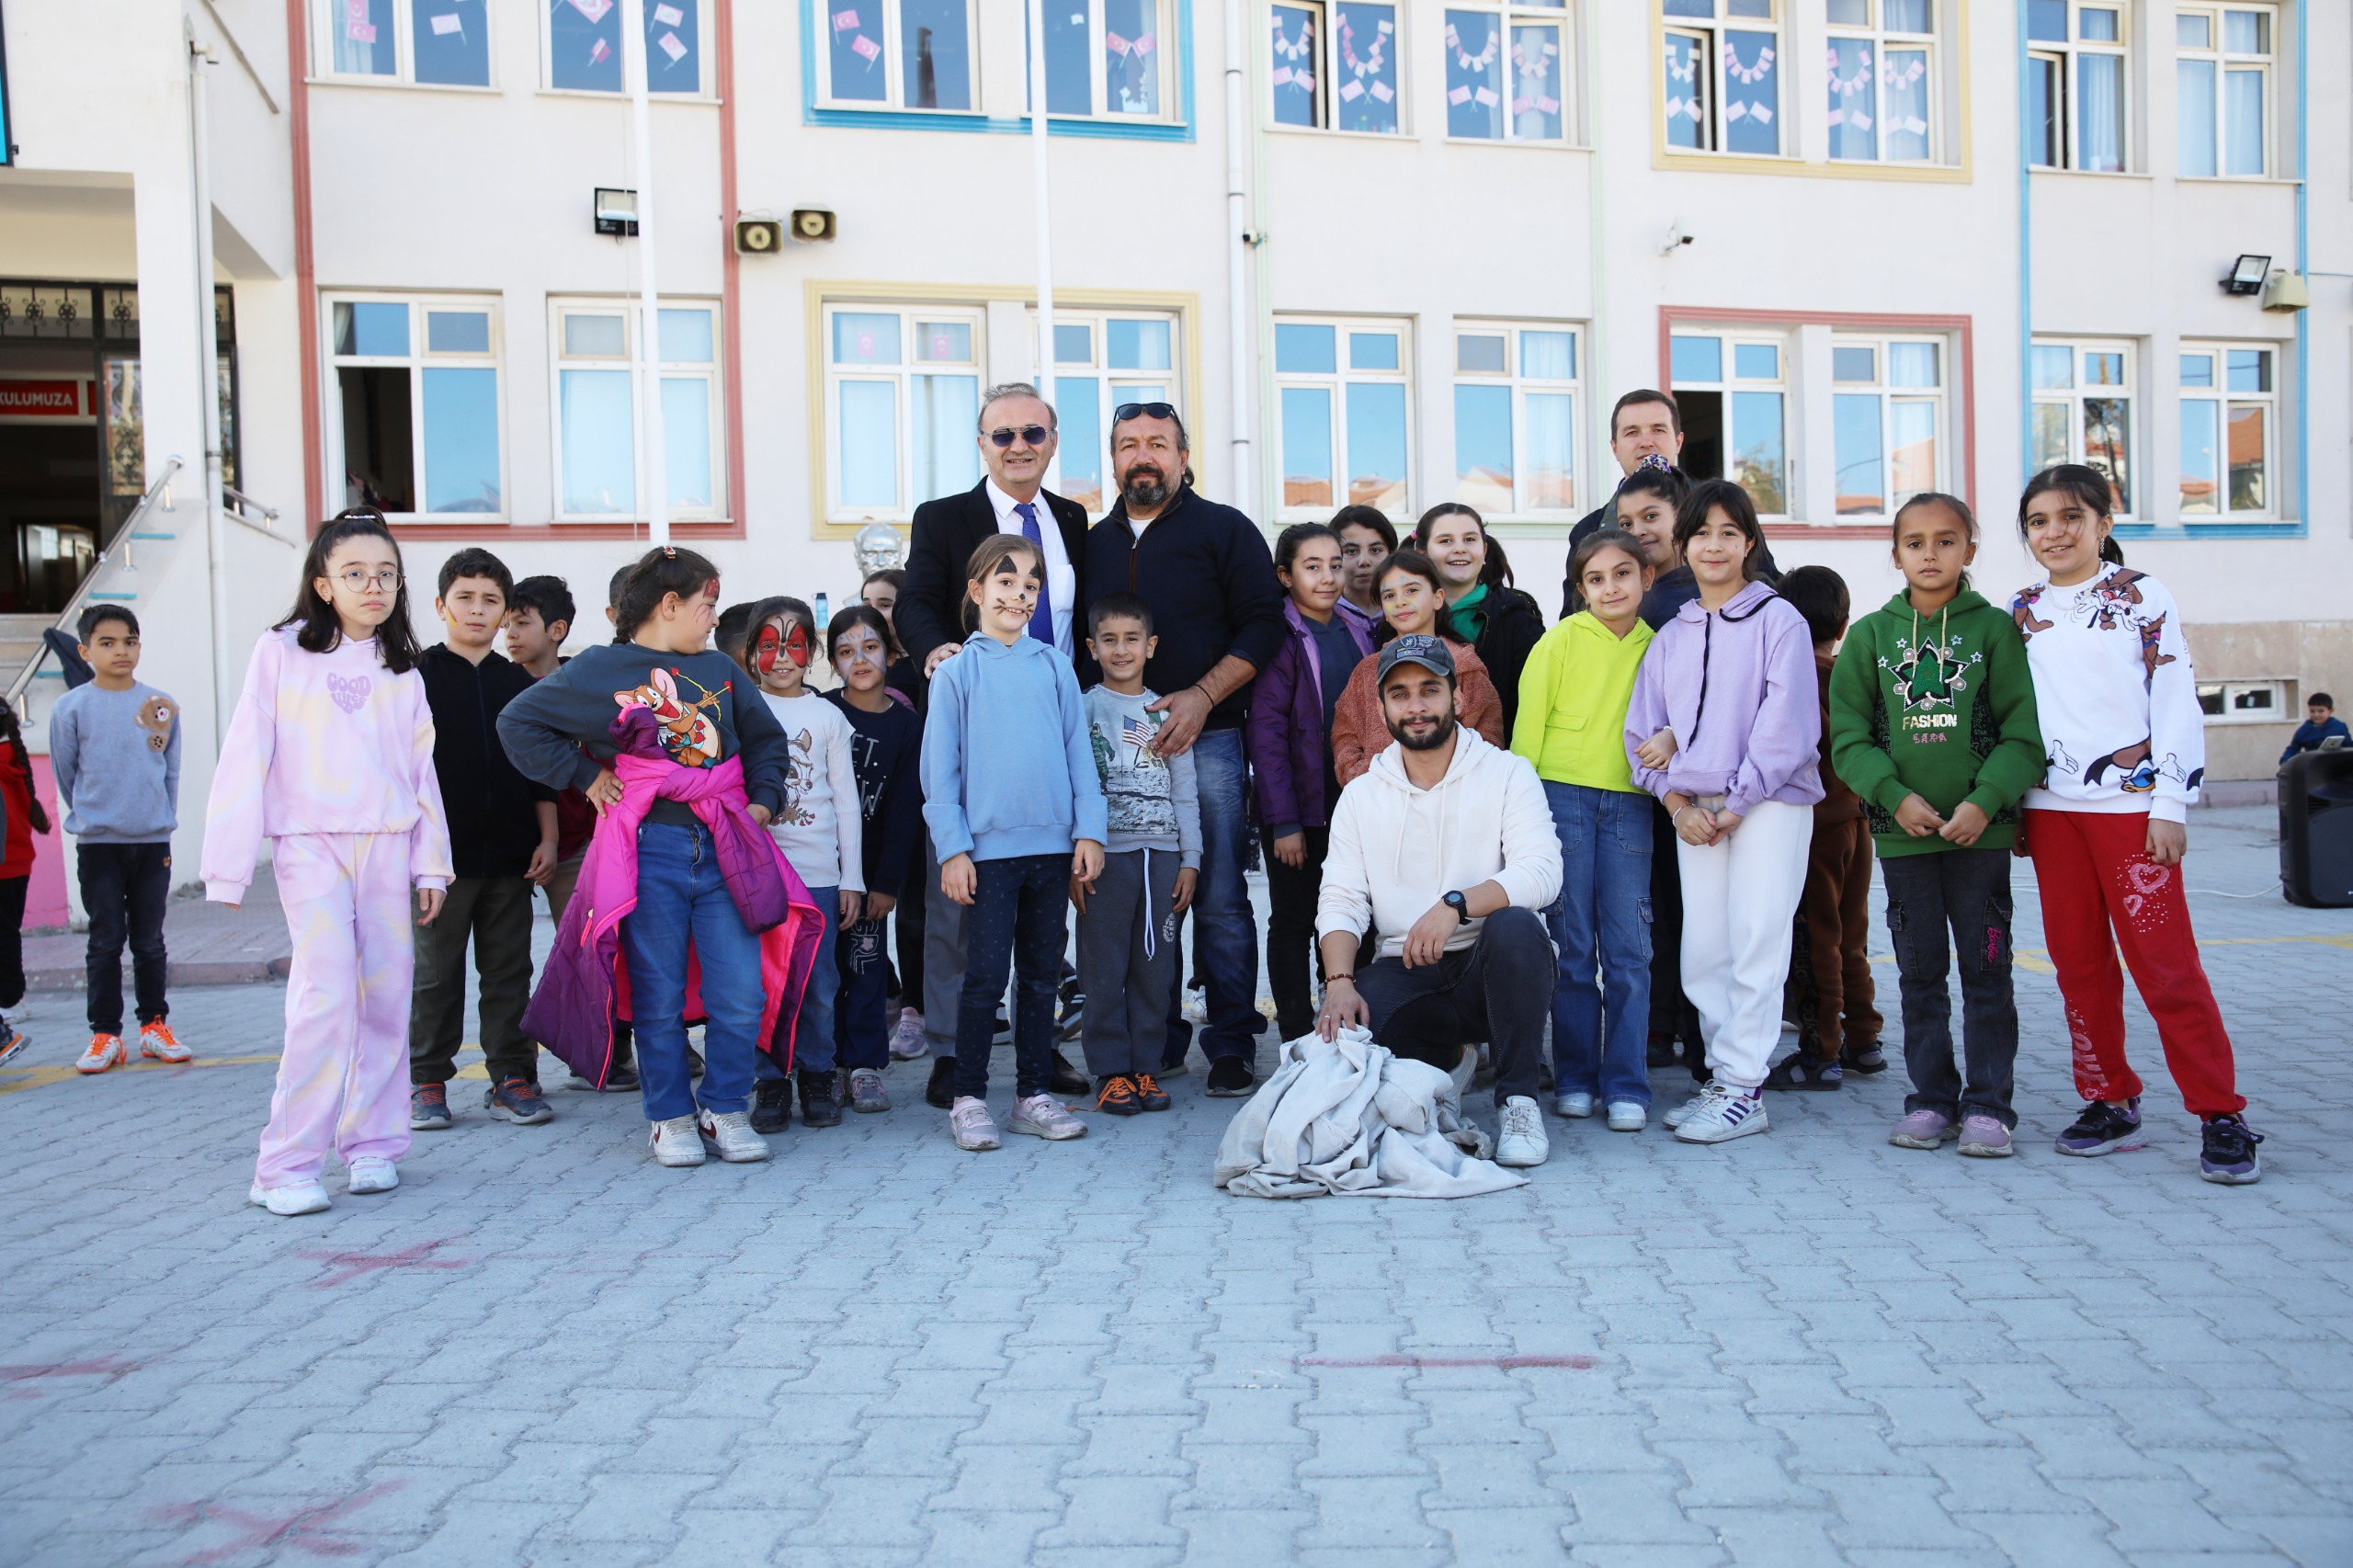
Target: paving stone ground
[{"x": 1804, "y": 1348}]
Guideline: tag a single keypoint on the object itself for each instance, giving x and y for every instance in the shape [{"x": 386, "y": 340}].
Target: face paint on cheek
[
  {"x": 764, "y": 652},
  {"x": 796, "y": 646}
]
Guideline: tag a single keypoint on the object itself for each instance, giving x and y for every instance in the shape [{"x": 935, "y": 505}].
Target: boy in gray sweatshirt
[
  {"x": 114, "y": 745},
  {"x": 1127, "y": 924}
]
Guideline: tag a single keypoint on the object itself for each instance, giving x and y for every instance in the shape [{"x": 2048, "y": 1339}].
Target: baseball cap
[{"x": 1415, "y": 648}]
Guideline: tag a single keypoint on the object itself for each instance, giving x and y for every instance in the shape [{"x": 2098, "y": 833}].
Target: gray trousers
[
  {"x": 1127, "y": 960},
  {"x": 496, "y": 913},
  {"x": 943, "y": 958}
]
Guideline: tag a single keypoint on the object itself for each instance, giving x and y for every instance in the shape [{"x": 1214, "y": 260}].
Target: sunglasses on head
[
  {"x": 1035, "y": 435},
  {"x": 1128, "y": 411}
]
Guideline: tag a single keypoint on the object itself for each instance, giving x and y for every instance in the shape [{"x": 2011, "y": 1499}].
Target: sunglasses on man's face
[
  {"x": 1034, "y": 435},
  {"x": 1128, "y": 411}
]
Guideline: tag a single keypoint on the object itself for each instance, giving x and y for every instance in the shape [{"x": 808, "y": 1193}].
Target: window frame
[
  {"x": 1732, "y": 338},
  {"x": 703, "y": 92},
  {"x": 325, "y": 14},
  {"x": 418, "y": 358},
  {"x": 2224, "y": 400},
  {"x": 1509, "y": 15},
  {"x": 712, "y": 372},
  {"x": 1941, "y": 397},
  {"x": 2067, "y": 56},
  {"x": 830, "y": 376},
  {"x": 2225, "y": 61},
  {"x": 1111, "y": 382},
  {"x": 1715, "y": 126},
  {"x": 2285, "y": 712},
  {"x": 895, "y": 82},
  {"x": 1337, "y": 381},
  {"x": 2078, "y": 392},
  {"x": 1514, "y": 378},
  {"x": 1332, "y": 73},
  {"x": 1878, "y": 35},
  {"x": 1165, "y": 38}
]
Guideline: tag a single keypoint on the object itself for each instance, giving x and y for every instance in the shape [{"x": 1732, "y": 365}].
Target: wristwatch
[{"x": 1460, "y": 905}]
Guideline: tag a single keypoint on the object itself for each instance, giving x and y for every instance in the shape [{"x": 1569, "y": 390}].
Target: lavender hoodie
[{"x": 1737, "y": 688}]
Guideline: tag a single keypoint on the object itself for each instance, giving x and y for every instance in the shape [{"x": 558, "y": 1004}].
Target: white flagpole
[{"x": 653, "y": 449}]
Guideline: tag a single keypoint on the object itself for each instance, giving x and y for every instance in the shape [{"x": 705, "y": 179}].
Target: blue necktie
[{"x": 1042, "y": 620}]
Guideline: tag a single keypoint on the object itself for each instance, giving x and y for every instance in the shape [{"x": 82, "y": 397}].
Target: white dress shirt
[{"x": 1061, "y": 578}]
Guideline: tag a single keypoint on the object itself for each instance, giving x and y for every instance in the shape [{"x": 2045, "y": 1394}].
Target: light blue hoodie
[{"x": 1008, "y": 768}]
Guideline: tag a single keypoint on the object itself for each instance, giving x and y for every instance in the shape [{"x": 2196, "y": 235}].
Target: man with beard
[
  {"x": 1217, "y": 610},
  {"x": 1447, "y": 847}
]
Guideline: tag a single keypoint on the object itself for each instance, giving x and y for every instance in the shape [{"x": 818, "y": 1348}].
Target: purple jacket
[
  {"x": 1284, "y": 734},
  {"x": 1737, "y": 688},
  {"x": 584, "y": 984}
]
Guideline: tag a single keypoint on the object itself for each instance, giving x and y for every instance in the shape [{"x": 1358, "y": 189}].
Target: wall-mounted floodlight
[
  {"x": 616, "y": 211},
  {"x": 2247, "y": 275}
]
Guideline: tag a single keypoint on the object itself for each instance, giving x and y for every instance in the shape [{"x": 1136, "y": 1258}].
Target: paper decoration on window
[
  {"x": 356, "y": 25},
  {"x": 1761, "y": 113},
  {"x": 1836, "y": 117},
  {"x": 1459, "y": 95},
  {"x": 1487, "y": 96},
  {"x": 1736, "y": 110},
  {"x": 362, "y": 32},
  {"x": 668, "y": 16},
  {"x": 1911, "y": 73},
  {"x": 444, "y": 26},
  {"x": 1684, "y": 71},
  {"x": 595, "y": 11},
  {"x": 1859, "y": 121},
  {"x": 1281, "y": 77},
  {"x": 1368, "y": 63},
  {"x": 1915, "y": 126},
  {"x": 865, "y": 48},
  {"x": 1520, "y": 105},
  {"x": 672, "y": 47},
  {"x": 1485, "y": 58},
  {"x": 1848, "y": 86},
  {"x": 1382, "y": 91},
  {"x": 846, "y": 19},
  {"x": 1548, "y": 106},
  {"x": 1350, "y": 91},
  {"x": 1145, "y": 44},
  {"x": 1749, "y": 74},
  {"x": 599, "y": 52},
  {"x": 1303, "y": 80}
]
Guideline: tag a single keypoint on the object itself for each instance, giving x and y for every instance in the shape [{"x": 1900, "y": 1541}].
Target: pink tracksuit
[{"x": 330, "y": 756}]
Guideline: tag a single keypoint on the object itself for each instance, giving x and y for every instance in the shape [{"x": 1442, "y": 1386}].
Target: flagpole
[
  {"x": 646, "y": 356},
  {"x": 1037, "y": 145}
]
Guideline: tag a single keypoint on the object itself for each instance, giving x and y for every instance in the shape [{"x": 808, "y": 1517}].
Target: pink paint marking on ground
[
  {"x": 307, "y": 1529},
  {"x": 1431, "y": 1363},
  {"x": 350, "y": 1265},
  {"x": 96, "y": 1367}
]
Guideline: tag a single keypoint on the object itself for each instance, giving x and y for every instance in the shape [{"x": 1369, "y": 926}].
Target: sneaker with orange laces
[
  {"x": 157, "y": 1042},
  {"x": 105, "y": 1051},
  {"x": 1118, "y": 1097},
  {"x": 1149, "y": 1095}
]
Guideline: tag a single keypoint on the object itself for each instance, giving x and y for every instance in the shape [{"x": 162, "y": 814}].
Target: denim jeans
[
  {"x": 1018, "y": 920},
  {"x": 1601, "y": 1010},
  {"x": 1225, "y": 932},
  {"x": 682, "y": 901},
  {"x": 1496, "y": 990},
  {"x": 124, "y": 887},
  {"x": 813, "y": 1036},
  {"x": 1968, "y": 891},
  {"x": 860, "y": 1039}
]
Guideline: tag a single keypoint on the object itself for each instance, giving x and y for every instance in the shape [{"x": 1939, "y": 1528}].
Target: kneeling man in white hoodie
[{"x": 1446, "y": 846}]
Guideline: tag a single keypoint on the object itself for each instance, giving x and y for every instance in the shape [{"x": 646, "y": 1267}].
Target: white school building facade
[{"x": 1399, "y": 252}]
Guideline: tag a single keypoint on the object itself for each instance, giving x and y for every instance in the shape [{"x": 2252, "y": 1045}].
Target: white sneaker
[
  {"x": 1521, "y": 1140},
  {"x": 1629, "y": 1116},
  {"x": 970, "y": 1123},
  {"x": 906, "y": 1041},
  {"x": 1043, "y": 1116},
  {"x": 1577, "y": 1103},
  {"x": 294, "y": 1197},
  {"x": 1676, "y": 1118},
  {"x": 729, "y": 1135},
  {"x": 371, "y": 1173},
  {"x": 1723, "y": 1113},
  {"x": 675, "y": 1142}
]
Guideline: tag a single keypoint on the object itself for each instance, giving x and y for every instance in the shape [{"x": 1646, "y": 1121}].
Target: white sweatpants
[{"x": 1740, "y": 906}]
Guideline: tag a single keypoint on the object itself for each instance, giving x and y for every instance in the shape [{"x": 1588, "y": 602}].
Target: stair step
[
  {"x": 155, "y": 536},
  {"x": 116, "y": 596}
]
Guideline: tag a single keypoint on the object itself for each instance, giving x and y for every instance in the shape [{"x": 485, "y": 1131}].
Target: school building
[{"x": 261, "y": 259}]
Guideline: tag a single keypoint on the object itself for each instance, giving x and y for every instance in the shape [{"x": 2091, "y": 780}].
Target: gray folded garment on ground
[{"x": 1346, "y": 1117}]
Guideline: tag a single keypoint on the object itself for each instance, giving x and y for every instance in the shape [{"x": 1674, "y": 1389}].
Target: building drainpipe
[
  {"x": 654, "y": 449},
  {"x": 2026, "y": 256},
  {"x": 1239, "y": 323},
  {"x": 2303, "y": 269},
  {"x": 1040, "y": 139},
  {"x": 1597, "y": 374},
  {"x": 207, "y": 373}
]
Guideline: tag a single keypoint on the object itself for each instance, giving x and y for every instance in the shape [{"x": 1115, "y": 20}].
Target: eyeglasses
[
  {"x": 1035, "y": 435},
  {"x": 1128, "y": 411},
  {"x": 359, "y": 579}
]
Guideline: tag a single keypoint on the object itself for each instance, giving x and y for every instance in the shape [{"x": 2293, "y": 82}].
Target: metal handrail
[
  {"x": 239, "y": 504},
  {"x": 65, "y": 618}
]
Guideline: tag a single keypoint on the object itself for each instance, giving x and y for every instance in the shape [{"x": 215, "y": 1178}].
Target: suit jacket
[{"x": 947, "y": 531}]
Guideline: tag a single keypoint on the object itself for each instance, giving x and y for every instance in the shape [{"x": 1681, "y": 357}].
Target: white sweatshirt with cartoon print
[{"x": 2122, "y": 728}]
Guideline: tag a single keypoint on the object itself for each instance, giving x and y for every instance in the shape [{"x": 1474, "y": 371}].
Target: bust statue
[{"x": 879, "y": 548}]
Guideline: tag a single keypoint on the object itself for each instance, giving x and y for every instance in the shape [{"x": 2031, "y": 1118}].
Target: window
[
  {"x": 2229, "y": 409},
  {"x": 1724, "y": 79},
  {"x": 1882, "y": 79},
  {"x": 596, "y": 417},
  {"x": 1886, "y": 419},
  {"x": 1341, "y": 396},
  {"x": 2223, "y": 69},
  {"x": 902, "y": 403},
  {"x": 1104, "y": 57},
  {"x": 906, "y": 54},
  {"x": 418, "y": 417},
  {"x": 1334, "y": 65},
  {"x": 2245, "y": 702},
  {"x": 583, "y": 43},
  {"x": 1103, "y": 359},
  {"x": 1515, "y": 418},
  {"x": 439, "y": 42},
  {"x": 2083, "y": 410},
  {"x": 2076, "y": 84},
  {"x": 1504, "y": 71},
  {"x": 1733, "y": 392}
]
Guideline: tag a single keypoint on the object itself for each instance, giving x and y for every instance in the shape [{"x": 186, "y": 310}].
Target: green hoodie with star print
[{"x": 1941, "y": 706}]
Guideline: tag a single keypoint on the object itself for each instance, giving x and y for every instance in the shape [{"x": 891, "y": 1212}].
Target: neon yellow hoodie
[{"x": 1573, "y": 698}]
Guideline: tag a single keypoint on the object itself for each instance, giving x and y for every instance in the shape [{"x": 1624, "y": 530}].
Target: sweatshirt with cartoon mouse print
[{"x": 2117, "y": 702}]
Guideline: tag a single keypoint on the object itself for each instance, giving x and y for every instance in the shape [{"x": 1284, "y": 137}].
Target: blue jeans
[
  {"x": 1602, "y": 926},
  {"x": 1018, "y": 920},
  {"x": 1226, "y": 933},
  {"x": 860, "y": 1039},
  {"x": 812, "y": 1039},
  {"x": 682, "y": 901}
]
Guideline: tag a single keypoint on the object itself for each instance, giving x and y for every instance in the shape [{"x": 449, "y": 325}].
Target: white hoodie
[{"x": 1396, "y": 850}]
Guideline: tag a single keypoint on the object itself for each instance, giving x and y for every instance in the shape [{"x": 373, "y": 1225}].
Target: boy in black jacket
[{"x": 502, "y": 844}]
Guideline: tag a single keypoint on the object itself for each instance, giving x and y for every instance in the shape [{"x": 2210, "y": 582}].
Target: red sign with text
[{"x": 46, "y": 399}]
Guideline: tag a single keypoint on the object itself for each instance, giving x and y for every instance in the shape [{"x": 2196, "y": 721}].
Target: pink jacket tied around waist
[{"x": 584, "y": 985}]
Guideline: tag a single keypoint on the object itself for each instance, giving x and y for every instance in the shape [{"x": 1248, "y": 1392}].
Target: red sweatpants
[{"x": 2097, "y": 879}]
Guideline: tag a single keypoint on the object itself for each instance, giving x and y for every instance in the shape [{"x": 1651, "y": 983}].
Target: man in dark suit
[
  {"x": 1644, "y": 420},
  {"x": 1017, "y": 441}
]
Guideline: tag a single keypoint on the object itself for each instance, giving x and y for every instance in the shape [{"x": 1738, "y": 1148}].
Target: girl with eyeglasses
[{"x": 329, "y": 755}]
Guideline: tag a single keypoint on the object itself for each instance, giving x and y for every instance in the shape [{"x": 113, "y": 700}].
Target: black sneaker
[
  {"x": 1149, "y": 1095},
  {"x": 2229, "y": 1156},
  {"x": 940, "y": 1093},
  {"x": 1805, "y": 1070},
  {"x": 819, "y": 1108},
  {"x": 1230, "y": 1078},
  {"x": 428, "y": 1107},
  {"x": 772, "y": 1106},
  {"x": 1118, "y": 1097},
  {"x": 623, "y": 1077},
  {"x": 1066, "y": 1079},
  {"x": 1660, "y": 1052},
  {"x": 2103, "y": 1129},
  {"x": 1865, "y": 1059}
]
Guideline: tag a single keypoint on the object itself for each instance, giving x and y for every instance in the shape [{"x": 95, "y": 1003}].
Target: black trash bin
[{"x": 2316, "y": 829}]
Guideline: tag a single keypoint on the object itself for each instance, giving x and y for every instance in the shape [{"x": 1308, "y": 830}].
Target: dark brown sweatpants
[{"x": 1837, "y": 906}]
